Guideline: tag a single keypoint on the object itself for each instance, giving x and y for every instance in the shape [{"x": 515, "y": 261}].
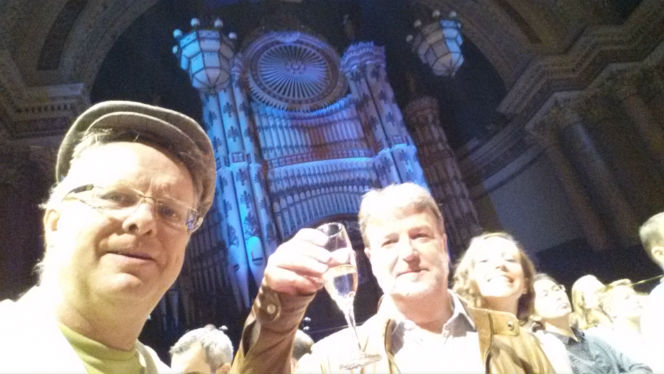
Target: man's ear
[
  {"x": 446, "y": 249},
  {"x": 51, "y": 219},
  {"x": 224, "y": 369}
]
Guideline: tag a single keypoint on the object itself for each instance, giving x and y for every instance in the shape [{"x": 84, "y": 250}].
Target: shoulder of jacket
[{"x": 498, "y": 322}]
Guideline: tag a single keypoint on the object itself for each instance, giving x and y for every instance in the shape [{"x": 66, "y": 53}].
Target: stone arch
[
  {"x": 86, "y": 43},
  {"x": 99, "y": 25},
  {"x": 94, "y": 35}
]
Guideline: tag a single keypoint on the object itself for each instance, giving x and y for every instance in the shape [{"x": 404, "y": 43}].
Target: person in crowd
[
  {"x": 585, "y": 301},
  {"x": 496, "y": 273},
  {"x": 624, "y": 306},
  {"x": 587, "y": 353},
  {"x": 301, "y": 346},
  {"x": 421, "y": 326},
  {"x": 203, "y": 350},
  {"x": 133, "y": 182},
  {"x": 652, "y": 321}
]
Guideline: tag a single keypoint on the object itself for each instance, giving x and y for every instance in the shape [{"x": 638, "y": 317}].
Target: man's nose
[
  {"x": 407, "y": 250},
  {"x": 141, "y": 219}
]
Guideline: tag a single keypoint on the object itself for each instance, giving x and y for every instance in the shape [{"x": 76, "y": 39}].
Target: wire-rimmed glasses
[{"x": 120, "y": 200}]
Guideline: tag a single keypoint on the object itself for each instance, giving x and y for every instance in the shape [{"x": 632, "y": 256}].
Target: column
[
  {"x": 256, "y": 168},
  {"x": 207, "y": 55},
  {"x": 649, "y": 130},
  {"x": 586, "y": 157},
  {"x": 396, "y": 156},
  {"x": 442, "y": 172},
  {"x": 596, "y": 234}
]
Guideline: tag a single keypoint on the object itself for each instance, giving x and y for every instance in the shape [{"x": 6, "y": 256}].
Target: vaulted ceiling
[{"x": 99, "y": 49}]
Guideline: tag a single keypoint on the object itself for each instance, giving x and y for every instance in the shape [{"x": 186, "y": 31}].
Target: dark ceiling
[{"x": 140, "y": 66}]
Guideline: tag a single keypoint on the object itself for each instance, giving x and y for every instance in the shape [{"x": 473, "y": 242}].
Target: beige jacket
[
  {"x": 269, "y": 332},
  {"x": 270, "y": 329}
]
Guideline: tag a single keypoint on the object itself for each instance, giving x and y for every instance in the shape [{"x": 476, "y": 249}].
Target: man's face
[
  {"x": 551, "y": 301},
  {"x": 408, "y": 254},
  {"x": 191, "y": 361},
  {"x": 497, "y": 270},
  {"x": 133, "y": 257}
]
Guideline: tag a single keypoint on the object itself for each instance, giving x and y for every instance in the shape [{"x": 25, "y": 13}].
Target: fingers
[
  {"x": 311, "y": 236},
  {"x": 304, "y": 253},
  {"x": 292, "y": 283},
  {"x": 316, "y": 242},
  {"x": 297, "y": 266}
]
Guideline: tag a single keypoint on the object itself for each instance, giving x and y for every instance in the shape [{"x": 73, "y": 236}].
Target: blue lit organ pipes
[
  {"x": 207, "y": 55},
  {"x": 318, "y": 149},
  {"x": 442, "y": 172},
  {"x": 319, "y": 162},
  {"x": 396, "y": 156}
]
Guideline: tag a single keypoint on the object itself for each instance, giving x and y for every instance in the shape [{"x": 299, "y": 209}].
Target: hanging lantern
[
  {"x": 438, "y": 44},
  {"x": 205, "y": 55}
]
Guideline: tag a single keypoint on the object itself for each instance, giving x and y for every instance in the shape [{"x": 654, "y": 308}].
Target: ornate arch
[
  {"x": 95, "y": 33},
  {"x": 80, "y": 47}
]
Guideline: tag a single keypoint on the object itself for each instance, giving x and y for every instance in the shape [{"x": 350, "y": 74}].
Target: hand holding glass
[{"x": 341, "y": 284}]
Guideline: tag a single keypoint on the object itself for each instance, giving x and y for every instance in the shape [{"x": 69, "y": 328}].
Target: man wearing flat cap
[{"x": 133, "y": 182}]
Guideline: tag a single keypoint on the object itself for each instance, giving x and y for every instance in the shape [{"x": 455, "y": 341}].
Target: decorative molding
[
  {"x": 362, "y": 54},
  {"x": 596, "y": 48},
  {"x": 599, "y": 51},
  {"x": 36, "y": 111},
  {"x": 53, "y": 46}
]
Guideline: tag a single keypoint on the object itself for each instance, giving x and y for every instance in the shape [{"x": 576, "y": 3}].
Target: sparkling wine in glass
[{"x": 341, "y": 284}]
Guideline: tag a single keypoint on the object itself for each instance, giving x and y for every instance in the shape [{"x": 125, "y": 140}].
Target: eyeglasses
[
  {"x": 554, "y": 289},
  {"x": 120, "y": 201}
]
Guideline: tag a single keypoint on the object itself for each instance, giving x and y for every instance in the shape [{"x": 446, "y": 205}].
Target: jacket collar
[{"x": 389, "y": 320}]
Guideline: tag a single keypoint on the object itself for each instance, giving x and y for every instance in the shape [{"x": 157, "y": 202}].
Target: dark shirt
[{"x": 590, "y": 355}]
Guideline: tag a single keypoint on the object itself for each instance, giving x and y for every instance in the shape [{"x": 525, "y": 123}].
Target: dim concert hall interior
[{"x": 541, "y": 118}]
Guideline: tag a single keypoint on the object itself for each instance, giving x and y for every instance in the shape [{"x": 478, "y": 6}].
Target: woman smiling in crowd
[{"x": 495, "y": 273}]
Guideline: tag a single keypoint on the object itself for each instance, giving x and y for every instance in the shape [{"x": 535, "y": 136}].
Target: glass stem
[{"x": 349, "y": 313}]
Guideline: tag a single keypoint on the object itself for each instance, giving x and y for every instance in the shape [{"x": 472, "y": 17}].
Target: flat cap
[{"x": 175, "y": 132}]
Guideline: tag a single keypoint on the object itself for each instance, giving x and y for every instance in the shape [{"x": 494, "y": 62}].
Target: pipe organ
[{"x": 299, "y": 135}]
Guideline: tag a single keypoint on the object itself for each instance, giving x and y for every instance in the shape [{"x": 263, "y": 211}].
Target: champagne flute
[{"x": 341, "y": 283}]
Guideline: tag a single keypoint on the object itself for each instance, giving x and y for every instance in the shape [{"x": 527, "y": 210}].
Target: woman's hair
[
  {"x": 607, "y": 295},
  {"x": 583, "y": 316},
  {"x": 466, "y": 287}
]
